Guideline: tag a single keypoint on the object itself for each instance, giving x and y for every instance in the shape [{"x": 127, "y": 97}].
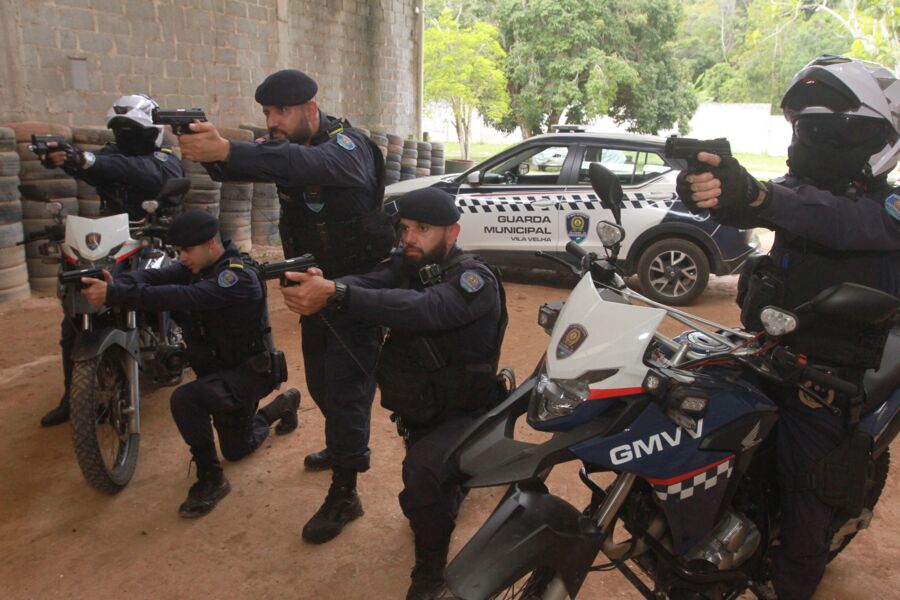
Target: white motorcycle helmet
[
  {"x": 130, "y": 118},
  {"x": 852, "y": 108}
]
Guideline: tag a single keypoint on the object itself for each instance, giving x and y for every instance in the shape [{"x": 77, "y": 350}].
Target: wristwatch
[
  {"x": 339, "y": 297},
  {"x": 89, "y": 160}
]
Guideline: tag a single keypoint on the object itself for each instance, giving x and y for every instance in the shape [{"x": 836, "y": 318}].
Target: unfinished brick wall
[{"x": 65, "y": 61}]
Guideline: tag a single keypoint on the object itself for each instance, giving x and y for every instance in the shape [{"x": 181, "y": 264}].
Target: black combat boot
[
  {"x": 284, "y": 410},
  {"x": 428, "y": 574},
  {"x": 58, "y": 415},
  {"x": 341, "y": 506},
  {"x": 211, "y": 487},
  {"x": 318, "y": 461}
]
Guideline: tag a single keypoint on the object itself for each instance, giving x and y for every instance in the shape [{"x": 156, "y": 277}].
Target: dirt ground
[{"x": 59, "y": 538}]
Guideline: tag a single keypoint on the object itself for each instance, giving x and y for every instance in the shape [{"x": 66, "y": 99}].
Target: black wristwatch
[{"x": 339, "y": 297}]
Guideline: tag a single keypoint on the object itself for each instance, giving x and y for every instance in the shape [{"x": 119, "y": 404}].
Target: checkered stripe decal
[
  {"x": 703, "y": 481},
  {"x": 523, "y": 203}
]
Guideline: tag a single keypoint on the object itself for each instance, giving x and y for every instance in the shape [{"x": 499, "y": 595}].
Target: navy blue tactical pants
[
  {"x": 342, "y": 389},
  {"x": 230, "y": 398},
  {"x": 805, "y": 435},
  {"x": 431, "y": 493}
]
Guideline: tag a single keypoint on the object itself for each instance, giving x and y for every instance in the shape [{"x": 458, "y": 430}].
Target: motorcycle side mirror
[
  {"x": 173, "y": 191},
  {"x": 474, "y": 177},
  {"x": 607, "y": 187},
  {"x": 149, "y": 206}
]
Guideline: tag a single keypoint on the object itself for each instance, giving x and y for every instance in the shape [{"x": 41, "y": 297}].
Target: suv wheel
[{"x": 673, "y": 271}]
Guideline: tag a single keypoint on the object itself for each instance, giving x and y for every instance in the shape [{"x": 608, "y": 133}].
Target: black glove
[
  {"x": 74, "y": 159},
  {"x": 739, "y": 189}
]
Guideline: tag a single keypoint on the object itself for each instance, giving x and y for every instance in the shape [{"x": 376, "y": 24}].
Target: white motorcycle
[{"x": 114, "y": 346}]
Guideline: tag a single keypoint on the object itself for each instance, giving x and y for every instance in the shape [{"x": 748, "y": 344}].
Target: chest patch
[
  {"x": 161, "y": 156},
  {"x": 345, "y": 142},
  {"x": 227, "y": 278},
  {"x": 471, "y": 281},
  {"x": 892, "y": 205}
]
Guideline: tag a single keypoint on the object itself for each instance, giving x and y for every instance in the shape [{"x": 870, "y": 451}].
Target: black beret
[
  {"x": 286, "y": 88},
  {"x": 192, "y": 228},
  {"x": 428, "y": 205}
]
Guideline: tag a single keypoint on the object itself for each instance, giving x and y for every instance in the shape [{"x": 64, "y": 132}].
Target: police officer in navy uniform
[
  {"x": 446, "y": 313},
  {"x": 125, "y": 174},
  {"x": 219, "y": 300},
  {"x": 330, "y": 182},
  {"x": 836, "y": 219}
]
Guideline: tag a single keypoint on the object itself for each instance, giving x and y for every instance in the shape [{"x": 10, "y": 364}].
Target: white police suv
[{"x": 536, "y": 195}]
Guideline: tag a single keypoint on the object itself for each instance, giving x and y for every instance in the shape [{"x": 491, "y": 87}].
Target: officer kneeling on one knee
[
  {"x": 217, "y": 297},
  {"x": 836, "y": 219},
  {"x": 446, "y": 313}
]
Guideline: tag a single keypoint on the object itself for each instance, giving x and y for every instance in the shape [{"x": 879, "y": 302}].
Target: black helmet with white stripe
[
  {"x": 846, "y": 118},
  {"x": 131, "y": 119}
]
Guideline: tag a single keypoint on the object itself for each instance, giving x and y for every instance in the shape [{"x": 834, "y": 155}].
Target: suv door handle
[{"x": 544, "y": 202}]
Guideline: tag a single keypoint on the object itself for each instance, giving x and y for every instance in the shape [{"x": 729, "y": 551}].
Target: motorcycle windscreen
[{"x": 94, "y": 239}]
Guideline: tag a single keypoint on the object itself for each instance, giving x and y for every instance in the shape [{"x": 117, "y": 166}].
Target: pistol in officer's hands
[
  {"x": 310, "y": 291},
  {"x": 94, "y": 290},
  {"x": 204, "y": 144}
]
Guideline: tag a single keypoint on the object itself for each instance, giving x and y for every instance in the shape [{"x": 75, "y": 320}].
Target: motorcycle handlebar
[
  {"x": 830, "y": 381},
  {"x": 576, "y": 250}
]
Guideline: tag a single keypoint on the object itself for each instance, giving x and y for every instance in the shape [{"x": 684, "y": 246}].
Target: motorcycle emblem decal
[
  {"x": 227, "y": 278},
  {"x": 572, "y": 339},
  {"x": 92, "y": 240},
  {"x": 892, "y": 205},
  {"x": 752, "y": 438},
  {"x": 577, "y": 226},
  {"x": 471, "y": 281}
]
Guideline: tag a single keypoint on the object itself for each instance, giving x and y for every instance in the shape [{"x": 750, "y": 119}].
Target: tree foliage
[{"x": 464, "y": 67}]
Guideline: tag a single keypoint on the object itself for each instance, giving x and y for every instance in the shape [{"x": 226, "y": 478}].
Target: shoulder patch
[
  {"x": 227, "y": 278},
  {"x": 161, "y": 156},
  {"x": 345, "y": 142},
  {"x": 892, "y": 205},
  {"x": 471, "y": 281}
]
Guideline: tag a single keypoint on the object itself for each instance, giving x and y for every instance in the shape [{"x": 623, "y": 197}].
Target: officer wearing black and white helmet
[
  {"x": 131, "y": 170},
  {"x": 125, "y": 173},
  {"x": 836, "y": 219}
]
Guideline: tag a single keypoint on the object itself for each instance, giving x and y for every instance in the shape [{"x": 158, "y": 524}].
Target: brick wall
[{"x": 66, "y": 60}]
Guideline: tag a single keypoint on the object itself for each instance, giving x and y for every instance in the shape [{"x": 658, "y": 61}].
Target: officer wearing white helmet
[
  {"x": 836, "y": 219},
  {"x": 125, "y": 173}
]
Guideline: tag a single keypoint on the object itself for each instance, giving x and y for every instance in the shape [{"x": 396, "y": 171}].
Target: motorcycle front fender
[
  {"x": 91, "y": 344},
  {"x": 530, "y": 529}
]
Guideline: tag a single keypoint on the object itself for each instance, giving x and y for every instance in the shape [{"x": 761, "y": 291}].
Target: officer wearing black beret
[
  {"x": 447, "y": 314},
  {"x": 330, "y": 180},
  {"x": 217, "y": 297}
]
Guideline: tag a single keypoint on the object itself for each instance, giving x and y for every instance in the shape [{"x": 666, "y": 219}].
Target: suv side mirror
[
  {"x": 607, "y": 187},
  {"x": 173, "y": 191},
  {"x": 474, "y": 177}
]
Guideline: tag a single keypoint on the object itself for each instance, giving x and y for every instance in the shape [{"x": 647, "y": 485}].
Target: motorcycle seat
[{"x": 881, "y": 383}]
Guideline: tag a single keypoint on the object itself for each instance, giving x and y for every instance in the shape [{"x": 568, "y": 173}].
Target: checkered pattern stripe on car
[
  {"x": 685, "y": 486},
  {"x": 523, "y": 203}
]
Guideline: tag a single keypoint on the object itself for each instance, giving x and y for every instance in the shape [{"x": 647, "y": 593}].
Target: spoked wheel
[
  {"x": 531, "y": 587},
  {"x": 100, "y": 410}
]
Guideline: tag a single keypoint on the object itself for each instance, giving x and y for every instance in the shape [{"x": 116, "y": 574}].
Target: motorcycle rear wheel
[{"x": 105, "y": 447}]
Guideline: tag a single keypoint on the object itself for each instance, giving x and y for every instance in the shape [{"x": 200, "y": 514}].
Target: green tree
[
  {"x": 874, "y": 25},
  {"x": 590, "y": 58},
  {"x": 464, "y": 70}
]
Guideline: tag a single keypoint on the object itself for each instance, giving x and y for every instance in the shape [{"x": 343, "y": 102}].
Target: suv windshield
[{"x": 631, "y": 166}]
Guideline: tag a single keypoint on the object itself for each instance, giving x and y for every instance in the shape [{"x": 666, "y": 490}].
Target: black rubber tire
[
  {"x": 44, "y": 286},
  {"x": 9, "y": 164},
  {"x": 203, "y": 182},
  {"x": 49, "y": 190},
  {"x": 11, "y": 234},
  {"x": 86, "y": 408},
  {"x": 10, "y": 212},
  {"x": 12, "y": 256},
  {"x": 88, "y": 207},
  {"x": 234, "y": 219},
  {"x": 13, "y": 276},
  {"x": 876, "y": 483},
  {"x": 38, "y": 268},
  {"x": 193, "y": 168},
  {"x": 95, "y": 136},
  {"x": 689, "y": 278},
  {"x": 25, "y": 129},
  {"x": 392, "y": 166},
  {"x": 33, "y": 170},
  {"x": 86, "y": 191},
  {"x": 202, "y": 196},
  {"x": 16, "y": 293},
  {"x": 210, "y": 207},
  {"x": 237, "y": 191},
  {"x": 9, "y": 188},
  {"x": 7, "y": 139},
  {"x": 36, "y": 209}
]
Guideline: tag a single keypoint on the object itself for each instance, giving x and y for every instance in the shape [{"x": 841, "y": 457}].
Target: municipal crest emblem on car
[
  {"x": 92, "y": 240},
  {"x": 577, "y": 226},
  {"x": 572, "y": 339}
]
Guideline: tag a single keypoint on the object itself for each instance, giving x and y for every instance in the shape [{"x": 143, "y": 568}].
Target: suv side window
[
  {"x": 535, "y": 165},
  {"x": 631, "y": 166}
]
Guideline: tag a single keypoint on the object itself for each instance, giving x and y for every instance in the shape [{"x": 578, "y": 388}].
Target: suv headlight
[{"x": 561, "y": 397}]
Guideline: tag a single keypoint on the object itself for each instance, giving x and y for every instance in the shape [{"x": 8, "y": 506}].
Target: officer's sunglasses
[{"x": 839, "y": 130}]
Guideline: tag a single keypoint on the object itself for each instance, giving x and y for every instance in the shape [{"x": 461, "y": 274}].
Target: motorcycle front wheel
[
  {"x": 536, "y": 585},
  {"x": 105, "y": 447}
]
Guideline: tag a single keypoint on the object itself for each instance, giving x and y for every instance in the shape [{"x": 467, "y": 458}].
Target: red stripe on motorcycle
[
  {"x": 684, "y": 476},
  {"x": 603, "y": 394}
]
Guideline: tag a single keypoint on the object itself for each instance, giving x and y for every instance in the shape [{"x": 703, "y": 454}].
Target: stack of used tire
[
  {"x": 205, "y": 193},
  {"x": 392, "y": 158},
  {"x": 13, "y": 269},
  {"x": 423, "y": 161},
  {"x": 236, "y": 200},
  {"x": 89, "y": 139},
  {"x": 437, "y": 158},
  {"x": 380, "y": 139},
  {"x": 409, "y": 162},
  {"x": 265, "y": 208},
  {"x": 40, "y": 186}
]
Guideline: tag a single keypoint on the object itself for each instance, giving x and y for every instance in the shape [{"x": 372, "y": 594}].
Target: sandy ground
[{"x": 59, "y": 538}]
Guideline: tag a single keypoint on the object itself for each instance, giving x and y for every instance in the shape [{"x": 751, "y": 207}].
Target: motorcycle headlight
[{"x": 561, "y": 397}]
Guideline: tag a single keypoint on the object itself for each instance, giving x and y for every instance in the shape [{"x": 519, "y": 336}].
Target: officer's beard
[{"x": 412, "y": 263}]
